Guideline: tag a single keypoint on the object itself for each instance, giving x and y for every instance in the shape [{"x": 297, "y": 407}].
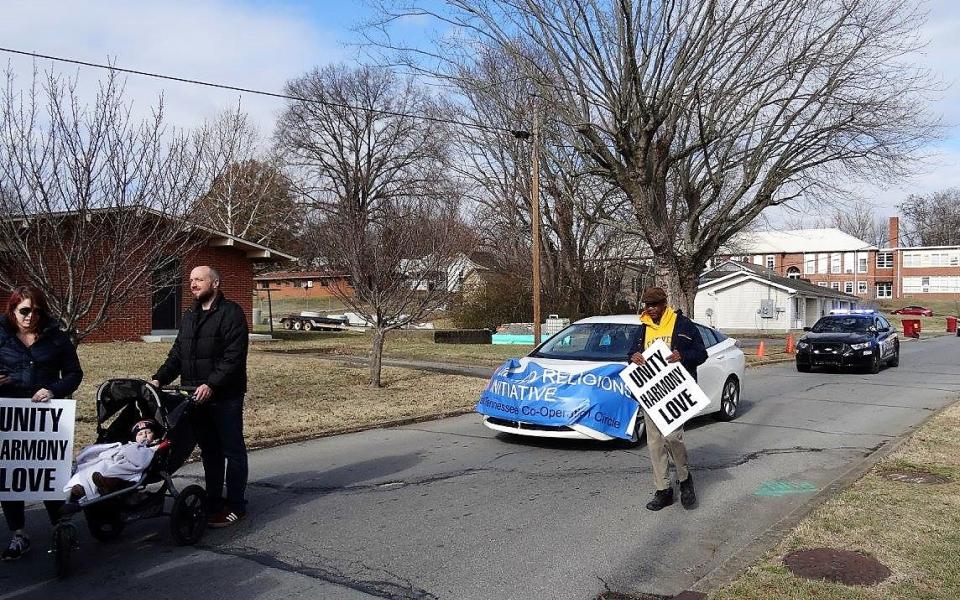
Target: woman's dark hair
[{"x": 36, "y": 297}]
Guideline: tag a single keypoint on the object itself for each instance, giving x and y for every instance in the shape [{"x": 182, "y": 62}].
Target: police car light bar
[{"x": 856, "y": 311}]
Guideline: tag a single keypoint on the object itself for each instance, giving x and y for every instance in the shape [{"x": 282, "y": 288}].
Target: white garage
[{"x": 739, "y": 297}]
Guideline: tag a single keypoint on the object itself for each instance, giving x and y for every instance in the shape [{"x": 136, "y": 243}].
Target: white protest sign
[
  {"x": 36, "y": 448},
  {"x": 666, "y": 391}
]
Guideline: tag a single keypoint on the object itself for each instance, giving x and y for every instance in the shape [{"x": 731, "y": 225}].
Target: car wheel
[
  {"x": 297, "y": 325},
  {"x": 875, "y": 364},
  {"x": 895, "y": 361},
  {"x": 803, "y": 368},
  {"x": 308, "y": 326},
  {"x": 729, "y": 400}
]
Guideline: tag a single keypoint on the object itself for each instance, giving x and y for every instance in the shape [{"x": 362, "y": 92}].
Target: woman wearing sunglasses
[{"x": 37, "y": 361}]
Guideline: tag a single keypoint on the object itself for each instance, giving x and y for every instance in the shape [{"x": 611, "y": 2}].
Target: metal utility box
[{"x": 768, "y": 309}]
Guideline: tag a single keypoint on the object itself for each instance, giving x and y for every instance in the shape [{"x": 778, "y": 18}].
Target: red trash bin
[
  {"x": 911, "y": 328},
  {"x": 951, "y": 324}
]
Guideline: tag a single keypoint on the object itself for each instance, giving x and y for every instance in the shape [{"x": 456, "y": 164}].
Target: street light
[{"x": 534, "y": 214}]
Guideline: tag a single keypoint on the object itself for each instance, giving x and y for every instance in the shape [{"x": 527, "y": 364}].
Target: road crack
[{"x": 402, "y": 589}]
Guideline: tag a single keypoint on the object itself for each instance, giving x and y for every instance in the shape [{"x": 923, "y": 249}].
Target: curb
[{"x": 749, "y": 555}]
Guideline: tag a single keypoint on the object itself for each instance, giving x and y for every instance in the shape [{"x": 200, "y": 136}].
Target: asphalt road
[{"x": 449, "y": 510}]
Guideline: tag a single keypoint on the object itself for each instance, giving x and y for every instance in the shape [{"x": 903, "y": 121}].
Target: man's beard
[{"x": 206, "y": 295}]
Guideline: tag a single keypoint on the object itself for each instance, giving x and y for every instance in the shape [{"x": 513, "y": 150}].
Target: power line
[{"x": 235, "y": 88}]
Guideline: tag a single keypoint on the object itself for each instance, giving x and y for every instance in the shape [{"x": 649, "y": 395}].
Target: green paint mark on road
[{"x": 783, "y": 488}]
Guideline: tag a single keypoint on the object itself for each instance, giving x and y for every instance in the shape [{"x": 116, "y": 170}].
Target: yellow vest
[{"x": 662, "y": 331}]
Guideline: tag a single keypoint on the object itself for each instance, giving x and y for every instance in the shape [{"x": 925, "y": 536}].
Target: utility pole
[{"x": 535, "y": 220}]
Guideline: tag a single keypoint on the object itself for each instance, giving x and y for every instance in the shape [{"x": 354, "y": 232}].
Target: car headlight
[
  {"x": 802, "y": 345},
  {"x": 862, "y": 346}
]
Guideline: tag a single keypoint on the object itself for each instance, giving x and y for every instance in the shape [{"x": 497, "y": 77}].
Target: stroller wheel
[
  {"x": 64, "y": 541},
  {"x": 104, "y": 525},
  {"x": 188, "y": 518}
]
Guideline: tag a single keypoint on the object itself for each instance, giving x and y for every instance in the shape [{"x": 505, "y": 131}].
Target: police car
[{"x": 858, "y": 339}]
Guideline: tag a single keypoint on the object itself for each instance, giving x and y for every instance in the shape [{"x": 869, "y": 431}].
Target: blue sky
[{"x": 262, "y": 44}]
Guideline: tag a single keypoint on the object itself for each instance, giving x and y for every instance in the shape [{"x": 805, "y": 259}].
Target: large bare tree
[
  {"x": 584, "y": 244},
  {"x": 95, "y": 200},
  {"x": 249, "y": 197},
  {"x": 703, "y": 112},
  {"x": 377, "y": 177},
  {"x": 932, "y": 219}
]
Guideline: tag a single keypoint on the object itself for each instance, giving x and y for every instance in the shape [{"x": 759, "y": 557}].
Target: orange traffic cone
[
  {"x": 790, "y": 346},
  {"x": 761, "y": 350}
]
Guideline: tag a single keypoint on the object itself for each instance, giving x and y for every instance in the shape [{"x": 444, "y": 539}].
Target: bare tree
[
  {"x": 932, "y": 219},
  {"x": 704, "y": 113},
  {"x": 858, "y": 219},
  {"x": 386, "y": 211},
  {"x": 250, "y": 197},
  {"x": 96, "y": 202},
  {"x": 583, "y": 216}
]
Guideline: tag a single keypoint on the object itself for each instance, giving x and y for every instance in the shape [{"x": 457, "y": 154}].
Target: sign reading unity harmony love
[
  {"x": 666, "y": 391},
  {"x": 36, "y": 448}
]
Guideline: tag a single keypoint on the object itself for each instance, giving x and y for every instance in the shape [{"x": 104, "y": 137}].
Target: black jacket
[
  {"x": 51, "y": 362},
  {"x": 686, "y": 340},
  {"x": 211, "y": 349}
]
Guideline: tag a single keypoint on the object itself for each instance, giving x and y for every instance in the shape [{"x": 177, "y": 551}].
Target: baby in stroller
[{"x": 107, "y": 468}]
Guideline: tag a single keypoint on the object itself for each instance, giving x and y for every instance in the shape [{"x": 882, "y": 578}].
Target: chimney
[{"x": 894, "y": 232}]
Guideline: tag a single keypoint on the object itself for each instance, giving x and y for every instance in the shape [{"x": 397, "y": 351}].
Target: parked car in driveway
[
  {"x": 853, "y": 339},
  {"x": 919, "y": 311},
  {"x": 602, "y": 345}
]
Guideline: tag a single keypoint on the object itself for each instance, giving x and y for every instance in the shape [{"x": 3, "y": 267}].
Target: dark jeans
[
  {"x": 14, "y": 512},
  {"x": 218, "y": 425}
]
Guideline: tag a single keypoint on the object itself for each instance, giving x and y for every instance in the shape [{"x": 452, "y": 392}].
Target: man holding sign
[{"x": 680, "y": 335}]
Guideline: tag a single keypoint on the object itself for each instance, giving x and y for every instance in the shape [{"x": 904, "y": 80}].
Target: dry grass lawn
[
  {"x": 416, "y": 345},
  {"x": 913, "y": 529},
  {"x": 290, "y": 396}
]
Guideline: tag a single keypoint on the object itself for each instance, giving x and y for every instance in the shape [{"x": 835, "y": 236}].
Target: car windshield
[
  {"x": 592, "y": 341},
  {"x": 843, "y": 325}
]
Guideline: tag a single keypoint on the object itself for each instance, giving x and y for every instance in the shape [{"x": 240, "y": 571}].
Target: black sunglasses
[{"x": 26, "y": 310}]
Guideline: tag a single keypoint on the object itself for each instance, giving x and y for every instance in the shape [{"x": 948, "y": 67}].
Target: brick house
[
  {"x": 159, "y": 312},
  {"x": 831, "y": 258},
  {"x": 303, "y": 284}
]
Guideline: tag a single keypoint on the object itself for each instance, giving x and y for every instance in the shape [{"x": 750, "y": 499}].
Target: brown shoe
[{"x": 108, "y": 485}]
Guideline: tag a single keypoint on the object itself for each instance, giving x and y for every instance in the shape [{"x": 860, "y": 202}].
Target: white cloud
[{"x": 251, "y": 46}]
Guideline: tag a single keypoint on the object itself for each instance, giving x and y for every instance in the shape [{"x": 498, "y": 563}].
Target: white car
[{"x": 603, "y": 341}]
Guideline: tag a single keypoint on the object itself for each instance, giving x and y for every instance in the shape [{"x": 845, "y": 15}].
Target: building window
[
  {"x": 309, "y": 283},
  {"x": 264, "y": 285},
  {"x": 834, "y": 263},
  {"x": 298, "y": 283},
  {"x": 822, "y": 284},
  {"x": 885, "y": 290},
  {"x": 849, "y": 259},
  {"x": 758, "y": 260},
  {"x": 822, "y": 260},
  {"x": 793, "y": 273},
  {"x": 884, "y": 260},
  {"x": 809, "y": 264},
  {"x": 848, "y": 287},
  {"x": 835, "y": 285},
  {"x": 861, "y": 287},
  {"x": 862, "y": 262},
  {"x": 771, "y": 262}
]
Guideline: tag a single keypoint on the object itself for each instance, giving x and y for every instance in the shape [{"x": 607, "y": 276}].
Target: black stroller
[{"x": 120, "y": 404}]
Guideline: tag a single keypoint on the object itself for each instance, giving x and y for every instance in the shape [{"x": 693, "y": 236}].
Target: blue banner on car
[{"x": 597, "y": 399}]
